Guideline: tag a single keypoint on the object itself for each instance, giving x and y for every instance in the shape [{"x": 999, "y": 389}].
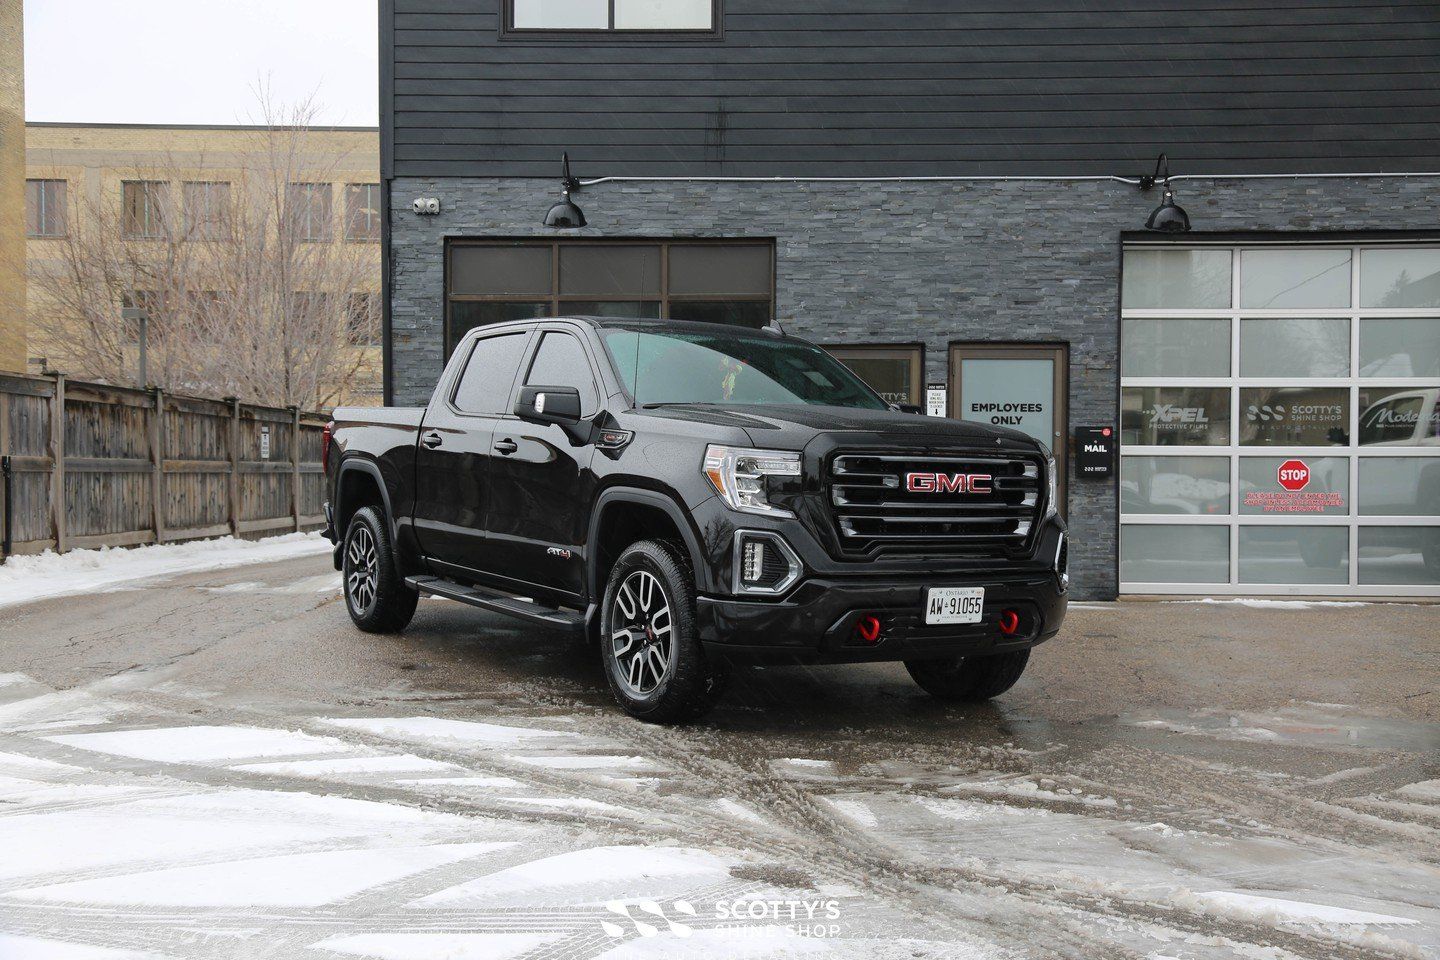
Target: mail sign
[{"x": 1094, "y": 451}]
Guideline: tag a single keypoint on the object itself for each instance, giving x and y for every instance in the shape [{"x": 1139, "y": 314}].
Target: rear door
[
  {"x": 452, "y": 475},
  {"x": 541, "y": 482}
]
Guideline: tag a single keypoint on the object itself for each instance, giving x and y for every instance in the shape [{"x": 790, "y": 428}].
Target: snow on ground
[
  {"x": 202, "y": 744},
  {"x": 439, "y": 946},
  {"x": 45, "y": 575},
  {"x": 1278, "y": 910},
  {"x": 441, "y": 730}
]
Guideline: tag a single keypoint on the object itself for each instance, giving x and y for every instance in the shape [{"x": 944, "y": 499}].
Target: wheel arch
[
  {"x": 621, "y": 512},
  {"x": 359, "y": 483}
]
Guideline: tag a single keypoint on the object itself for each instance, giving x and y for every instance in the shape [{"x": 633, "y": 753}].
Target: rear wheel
[
  {"x": 969, "y": 678},
  {"x": 653, "y": 659},
  {"x": 376, "y": 595}
]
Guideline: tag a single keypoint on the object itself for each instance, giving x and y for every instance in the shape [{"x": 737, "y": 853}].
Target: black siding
[{"x": 922, "y": 87}]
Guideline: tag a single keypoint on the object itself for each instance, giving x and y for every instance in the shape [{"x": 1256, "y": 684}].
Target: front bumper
[{"x": 816, "y": 623}]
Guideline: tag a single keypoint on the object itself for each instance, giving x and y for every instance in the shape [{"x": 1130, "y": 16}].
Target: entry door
[
  {"x": 894, "y": 372},
  {"x": 1015, "y": 385}
]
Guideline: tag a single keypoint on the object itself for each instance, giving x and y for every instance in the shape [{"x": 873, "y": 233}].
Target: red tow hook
[
  {"x": 1009, "y": 622},
  {"x": 867, "y": 628}
]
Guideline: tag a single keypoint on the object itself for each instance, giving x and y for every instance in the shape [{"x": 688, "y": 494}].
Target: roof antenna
[{"x": 774, "y": 327}]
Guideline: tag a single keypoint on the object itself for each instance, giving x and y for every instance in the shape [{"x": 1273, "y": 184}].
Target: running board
[{"x": 500, "y": 603}]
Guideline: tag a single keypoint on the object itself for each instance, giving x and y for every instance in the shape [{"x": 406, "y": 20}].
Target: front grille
[{"x": 877, "y": 511}]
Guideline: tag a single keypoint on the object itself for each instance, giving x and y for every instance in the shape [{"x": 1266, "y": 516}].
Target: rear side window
[
  {"x": 561, "y": 362},
  {"x": 489, "y": 374}
]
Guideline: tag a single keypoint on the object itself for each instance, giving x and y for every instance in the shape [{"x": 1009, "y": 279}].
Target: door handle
[
  {"x": 432, "y": 440},
  {"x": 506, "y": 446}
]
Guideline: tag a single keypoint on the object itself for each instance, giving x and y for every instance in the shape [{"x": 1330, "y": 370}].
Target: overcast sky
[{"x": 198, "y": 61}]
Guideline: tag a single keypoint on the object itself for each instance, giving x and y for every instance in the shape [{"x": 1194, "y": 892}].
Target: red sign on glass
[{"x": 1293, "y": 475}]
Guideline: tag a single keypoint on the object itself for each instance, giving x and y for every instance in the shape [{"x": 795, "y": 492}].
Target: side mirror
[
  {"x": 549, "y": 405},
  {"x": 908, "y": 407}
]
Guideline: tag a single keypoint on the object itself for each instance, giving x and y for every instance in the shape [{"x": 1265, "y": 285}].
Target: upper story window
[
  {"x": 142, "y": 211},
  {"x": 45, "y": 208},
  {"x": 618, "y": 15},
  {"x": 362, "y": 211},
  {"x": 207, "y": 209},
  {"x": 309, "y": 210}
]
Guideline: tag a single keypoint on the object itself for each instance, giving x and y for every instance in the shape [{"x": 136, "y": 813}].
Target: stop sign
[{"x": 1293, "y": 475}]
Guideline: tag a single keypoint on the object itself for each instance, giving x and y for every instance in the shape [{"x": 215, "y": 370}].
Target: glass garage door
[{"x": 1280, "y": 419}]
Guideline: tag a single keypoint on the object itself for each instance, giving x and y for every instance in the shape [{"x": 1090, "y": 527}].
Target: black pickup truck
[{"x": 681, "y": 495}]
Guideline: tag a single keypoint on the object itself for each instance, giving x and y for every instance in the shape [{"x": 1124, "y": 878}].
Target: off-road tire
[
  {"x": 690, "y": 683},
  {"x": 969, "y": 678},
  {"x": 387, "y": 604}
]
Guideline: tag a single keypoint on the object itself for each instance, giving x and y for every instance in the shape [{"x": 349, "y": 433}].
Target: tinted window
[
  {"x": 685, "y": 367},
  {"x": 561, "y": 362},
  {"x": 489, "y": 374}
]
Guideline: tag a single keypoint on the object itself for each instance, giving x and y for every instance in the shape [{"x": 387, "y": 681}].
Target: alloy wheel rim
[
  {"x": 363, "y": 570},
  {"x": 641, "y": 638}
]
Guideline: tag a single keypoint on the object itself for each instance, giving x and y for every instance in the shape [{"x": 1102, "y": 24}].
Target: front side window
[
  {"x": 561, "y": 362},
  {"x": 620, "y": 15},
  {"x": 731, "y": 370},
  {"x": 45, "y": 208},
  {"x": 142, "y": 209}
]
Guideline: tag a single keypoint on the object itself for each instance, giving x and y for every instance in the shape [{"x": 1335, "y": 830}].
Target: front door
[
  {"x": 1015, "y": 385},
  {"x": 541, "y": 485}
]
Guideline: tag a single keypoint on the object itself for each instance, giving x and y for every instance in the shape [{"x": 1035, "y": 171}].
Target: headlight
[
  {"x": 1052, "y": 487},
  {"x": 738, "y": 476}
]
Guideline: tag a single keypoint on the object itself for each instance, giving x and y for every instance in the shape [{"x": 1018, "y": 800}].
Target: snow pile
[
  {"x": 49, "y": 574},
  {"x": 1263, "y": 604}
]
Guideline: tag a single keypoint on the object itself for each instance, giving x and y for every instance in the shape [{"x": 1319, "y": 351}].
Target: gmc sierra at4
[{"x": 683, "y": 495}]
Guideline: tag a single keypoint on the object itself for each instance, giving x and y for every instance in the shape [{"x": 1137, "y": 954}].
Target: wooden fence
[{"x": 93, "y": 465}]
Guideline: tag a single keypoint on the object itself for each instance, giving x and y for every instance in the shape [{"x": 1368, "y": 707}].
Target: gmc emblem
[{"x": 948, "y": 483}]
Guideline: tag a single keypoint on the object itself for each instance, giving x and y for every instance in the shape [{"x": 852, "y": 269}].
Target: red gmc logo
[{"x": 948, "y": 482}]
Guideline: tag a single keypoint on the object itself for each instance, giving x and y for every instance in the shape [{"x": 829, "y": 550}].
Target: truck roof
[{"x": 628, "y": 323}]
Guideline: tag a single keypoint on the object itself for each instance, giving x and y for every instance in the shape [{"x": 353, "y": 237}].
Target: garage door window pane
[
  {"x": 1189, "y": 485},
  {"x": 1294, "y": 279},
  {"x": 662, "y": 14},
  {"x": 1400, "y": 416},
  {"x": 888, "y": 376},
  {"x": 1400, "y": 556},
  {"x": 1294, "y": 554},
  {"x": 1156, "y": 347},
  {"x": 610, "y": 271},
  {"x": 500, "y": 271},
  {"x": 723, "y": 271},
  {"x": 1400, "y": 486},
  {"x": 1294, "y": 416},
  {"x": 740, "y": 313},
  {"x": 1400, "y": 347},
  {"x": 1176, "y": 280},
  {"x": 467, "y": 315},
  {"x": 649, "y": 309},
  {"x": 1175, "y": 416},
  {"x": 1393, "y": 279},
  {"x": 1326, "y": 493},
  {"x": 1295, "y": 348},
  {"x": 1172, "y": 553}
]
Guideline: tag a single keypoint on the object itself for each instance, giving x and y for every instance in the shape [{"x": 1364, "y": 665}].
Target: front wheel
[
  {"x": 376, "y": 595},
  {"x": 969, "y": 678},
  {"x": 653, "y": 659}
]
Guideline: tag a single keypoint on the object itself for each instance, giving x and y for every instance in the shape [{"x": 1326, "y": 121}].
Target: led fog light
[{"x": 764, "y": 563}]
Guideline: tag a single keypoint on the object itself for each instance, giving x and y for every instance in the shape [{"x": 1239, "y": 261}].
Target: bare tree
[{"x": 247, "y": 291}]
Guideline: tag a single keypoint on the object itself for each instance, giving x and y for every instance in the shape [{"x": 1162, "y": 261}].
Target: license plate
[{"x": 954, "y": 605}]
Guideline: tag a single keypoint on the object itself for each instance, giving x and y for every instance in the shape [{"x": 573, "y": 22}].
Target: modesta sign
[{"x": 1293, "y": 475}]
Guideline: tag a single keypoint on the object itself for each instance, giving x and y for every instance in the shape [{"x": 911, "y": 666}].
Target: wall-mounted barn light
[
  {"x": 1169, "y": 217},
  {"x": 565, "y": 215}
]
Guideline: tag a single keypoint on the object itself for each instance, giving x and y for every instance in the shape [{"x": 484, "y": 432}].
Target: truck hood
[{"x": 787, "y": 426}]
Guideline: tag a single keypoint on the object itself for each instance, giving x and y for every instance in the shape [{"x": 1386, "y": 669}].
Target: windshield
[{"x": 731, "y": 369}]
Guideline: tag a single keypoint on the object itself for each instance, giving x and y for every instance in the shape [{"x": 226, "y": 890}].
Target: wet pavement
[{"x": 219, "y": 765}]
